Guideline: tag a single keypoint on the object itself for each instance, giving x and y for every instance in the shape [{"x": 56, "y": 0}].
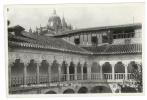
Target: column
[
  {"x": 75, "y": 75},
  {"x": 59, "y": 72},
  {"x": 67, "y": 70},
  {"x": 101, "y": 72},
  {"x": 9, "y": 73},
  {"x": 126, "y": 70},
  {"x": 113, "y": 72},
  {"x": 49, "y": 73},
  {"x": 81, "y": 72},
  {"x": 89, "y": 72},
  {"x": 38, "y": 65},
  {"x": 87, "y": 39},
  {"x": 25, "y": 73}
]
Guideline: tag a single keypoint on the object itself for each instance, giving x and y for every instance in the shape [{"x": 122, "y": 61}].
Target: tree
[{"x": 137, "y": 76}]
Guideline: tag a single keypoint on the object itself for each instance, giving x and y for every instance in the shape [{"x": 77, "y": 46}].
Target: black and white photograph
[{"x": 74, "y": 49}]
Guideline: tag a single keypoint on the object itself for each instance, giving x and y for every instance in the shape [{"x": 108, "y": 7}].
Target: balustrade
[
  {"x": 17, "y": 80},
  {"x": 108, "y": 76},
  {"x": 43, "y": 79},
  {"x": 96, "y": 76},
  {"x": 119, "y": 76}
]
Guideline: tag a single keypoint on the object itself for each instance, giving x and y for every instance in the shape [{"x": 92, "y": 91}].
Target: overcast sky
[{"x": 80, "y": 16}]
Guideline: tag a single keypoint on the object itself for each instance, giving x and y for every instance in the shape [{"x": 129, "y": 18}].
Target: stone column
[
  {"x": 59, "y": 72},
  {"x": 49, "y": 73},
  {"x": 38, "y": 65},
  {"x": 101, "y": 72},
  {"x": 67, "y": 71},
  {"x": 81, "y": 72},
  {"x": 75, "y": 75},
  {"x": 25, "y": 73},
  {"x": 126, "y": 70},
  {"x": 9, "y": 73},
  {"x": 89, "y": 71},
  {"x": 113, "y": 72}
]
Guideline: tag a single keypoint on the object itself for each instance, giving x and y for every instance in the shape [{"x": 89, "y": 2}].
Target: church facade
[{"x": 92, "y": 60}]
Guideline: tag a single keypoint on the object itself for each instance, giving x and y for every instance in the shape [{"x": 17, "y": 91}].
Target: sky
[{"x": 78, "y": 15}]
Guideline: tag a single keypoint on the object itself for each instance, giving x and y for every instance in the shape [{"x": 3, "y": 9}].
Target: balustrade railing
[
  {"x": 63, "y": 77},
  {"x": 119, "y": 76},
  {"x": 96, "y": 76},
  {"x": 71, "y": 77},
  {"x": 17, "y": 80},
  {"x": 108, "y": 76},
  {"x": 79, "y": 76},
  {"x": 85, "y": 76},
  {"x": 130, "y": 76},
  {"x": 43, "y": 79},
  {"x": 31, "y": 80}
]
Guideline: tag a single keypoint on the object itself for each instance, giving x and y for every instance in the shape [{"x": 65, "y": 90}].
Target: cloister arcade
[{"x": 21, "y": 73}]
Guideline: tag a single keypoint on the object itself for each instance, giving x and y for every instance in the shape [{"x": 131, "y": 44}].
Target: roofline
[
  {"x": 30, "y": 45},
  {"x": 98, "y": 28}
]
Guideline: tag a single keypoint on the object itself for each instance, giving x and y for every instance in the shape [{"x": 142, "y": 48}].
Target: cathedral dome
[{"x": 55, "y": 21}]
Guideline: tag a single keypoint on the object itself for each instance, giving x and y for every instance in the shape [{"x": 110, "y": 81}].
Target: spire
[
  {"x": 30, "y": 30},
  {"x": 64, "y": 24}
]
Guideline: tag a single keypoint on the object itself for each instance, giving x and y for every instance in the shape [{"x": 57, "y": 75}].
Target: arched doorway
[
  {"x": 85, "y": 71},
  {"x": 83, "y": 90},
  {"x": 64, "y": 71},
  {"x": 17, "y": 73},
  {"x": 43, "y": 72},
  {"x": 100, "y": 89},
  {"x": 95, "y": 70},
  {"x": 50, "y": 92},
  {"x": 32, "y": 72},
  {"x": 119, "y": 69},
  {"x": 107, "y": 70},
  {"x": 54, "y": 71},
  {"x": 71, "y": 70},
  {"x": 132, "y": 70},
  {"x": 79, "y": 71},
  {"x": 132, "y": 66},
  {"x": 69, "y": 91}
]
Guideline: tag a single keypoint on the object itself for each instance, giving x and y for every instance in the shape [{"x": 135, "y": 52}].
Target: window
[
  {"x": 94, "y": 40},
  {"x": 104, "y": 39},
  {"x": 77, "y": 41}
]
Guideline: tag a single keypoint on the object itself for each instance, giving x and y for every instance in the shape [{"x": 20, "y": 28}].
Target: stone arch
[
  {"x": 54, "y": 71},
  {"x": 79, "y": 71},
  {"x": 32, "y": 68},
  {"x": 134, "y": 70},
  {"x": 43, "y": 71},
  {"x": 17, "y": 68},
  {"x": 32, "y": 72},
  {"x": 71, "y": 70},
  {"x": 132, "y": 66},
  {"x": 17, "y": 73},
  {"x": 85, "y": 71},
  {"x": 51, "y": 92},
  {"x": 119, "y": 70},
  {"x": 107, "y": 68},
  {"x": 100, "y": 89},
  {"x": 95, "y": 68},
  {"x": 64, "y": 67},
  {"x": 63, "y": 71},
  {"x": 68, "y": 91},
  {"x": 119, "y": 67},
  {"x": 83, "y": 90}
]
